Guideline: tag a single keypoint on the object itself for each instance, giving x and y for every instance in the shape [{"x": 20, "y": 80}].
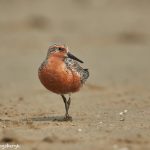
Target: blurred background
[{"x": 111, "y": 37}]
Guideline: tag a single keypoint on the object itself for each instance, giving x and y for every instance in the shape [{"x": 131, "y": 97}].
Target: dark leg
[
  {"x": 69, "y": 101},
  {"x": 67, "y": 104}
]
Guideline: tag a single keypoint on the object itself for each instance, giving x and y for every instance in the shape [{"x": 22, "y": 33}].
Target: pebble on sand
[{"x": 79, "y": 130}]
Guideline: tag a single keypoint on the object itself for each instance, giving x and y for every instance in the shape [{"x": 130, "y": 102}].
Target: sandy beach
[{"x": 112, "y": 110}]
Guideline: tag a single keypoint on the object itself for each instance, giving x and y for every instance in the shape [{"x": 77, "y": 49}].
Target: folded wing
[{"x": 74, "y": 66}]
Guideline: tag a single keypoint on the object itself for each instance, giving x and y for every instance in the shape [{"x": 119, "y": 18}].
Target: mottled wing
[{"x": 74, "y": 66}]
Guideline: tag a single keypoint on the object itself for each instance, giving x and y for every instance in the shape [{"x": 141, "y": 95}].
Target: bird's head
[{"x": 62, "y": 52}]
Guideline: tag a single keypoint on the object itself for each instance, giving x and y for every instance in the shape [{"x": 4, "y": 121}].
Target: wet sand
[{"x": 111, "y": 112}]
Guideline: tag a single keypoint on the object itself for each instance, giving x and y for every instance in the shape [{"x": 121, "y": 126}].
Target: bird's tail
[{"x": 86, "y": 74}]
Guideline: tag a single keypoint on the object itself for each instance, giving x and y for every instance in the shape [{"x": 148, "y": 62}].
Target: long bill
[{"x": 74, "y": 57}]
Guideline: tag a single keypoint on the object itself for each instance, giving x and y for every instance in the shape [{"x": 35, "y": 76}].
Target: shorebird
[{"x": 61, "y": 73}]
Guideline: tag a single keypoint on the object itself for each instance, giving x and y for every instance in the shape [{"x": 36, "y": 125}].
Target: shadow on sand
[
  {"x": 52, "y": 118},
  {"x": 34, "y": 119}
]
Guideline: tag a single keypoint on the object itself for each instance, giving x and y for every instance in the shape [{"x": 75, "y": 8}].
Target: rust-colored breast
[{"x": 54, "y": 75}]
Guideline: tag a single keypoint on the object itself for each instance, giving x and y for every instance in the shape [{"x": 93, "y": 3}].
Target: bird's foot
[{"x": 67, "y": 118}]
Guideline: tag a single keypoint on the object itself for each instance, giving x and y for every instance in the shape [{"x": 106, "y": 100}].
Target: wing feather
[{"x": 74, "y": 66}]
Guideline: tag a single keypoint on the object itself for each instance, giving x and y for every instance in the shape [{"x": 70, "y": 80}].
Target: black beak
[{"x": 73, "y": 57}]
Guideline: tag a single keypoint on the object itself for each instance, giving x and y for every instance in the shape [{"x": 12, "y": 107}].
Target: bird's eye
[{"x": 60, "y": 49}]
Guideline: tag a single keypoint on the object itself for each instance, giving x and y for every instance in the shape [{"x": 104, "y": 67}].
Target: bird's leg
[{"x": 67, "y": 104}]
